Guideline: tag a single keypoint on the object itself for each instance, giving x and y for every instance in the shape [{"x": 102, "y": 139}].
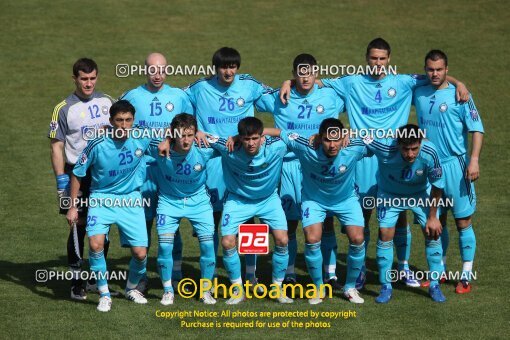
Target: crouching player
[
  {"x": 252, "y": 173},
  {"x": 182, "y": 194},
  {"x": 118, "y": 170},
  {"x": 328, "y": 188},
  {"x": 408, "y": 168}
]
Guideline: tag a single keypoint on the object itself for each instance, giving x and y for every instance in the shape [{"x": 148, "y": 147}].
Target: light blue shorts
[
  {"x": 149, "y": 191},
  {"x": 366, "y": 177},
  {"x": 238, "y": 210},
  {"x": 388, "y": 215},
  {"x": 215, "y": 183},
  {"x": 129, "y": 218},
  {"x": 348, "y": 212},
  {"x": 457, "y": 188},
  {"x": 290, "y": 189},
  {"x": 197, "y": 209}
]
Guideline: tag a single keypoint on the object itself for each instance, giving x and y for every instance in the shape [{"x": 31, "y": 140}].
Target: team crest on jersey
[
  {"x": 419, "y": 172},
  {"x": 138, "y": 152},
  {"x": 474, "y": 114},
  {"x": 320, "y": 109},
  {"x": 83, "y": 159},
  {"x": 104, "y": 109},
  {"x": 443, "y": 107},
  {"x": 53, "y": 126},
  {"x": 293, "y": 136},
  {"x": 342, "y": 168},
  {"x": 197, "y": 167},
  {"x": 169, "y": 107},
  {"x": 240, "y": 101},
  {"x": 392, "y": 92}
]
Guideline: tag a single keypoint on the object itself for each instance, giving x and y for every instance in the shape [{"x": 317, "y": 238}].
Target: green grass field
[{"x": 40, "y": 41}]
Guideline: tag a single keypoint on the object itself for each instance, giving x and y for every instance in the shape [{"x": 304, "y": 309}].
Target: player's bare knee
[
  {"x": 228, "y": 242},
  {"x": 386, "y": 234},
  {"x": 139, "y": 253},
  {"x": 355, "y": 235},
  {"x": 463, "y": 223},
  {"x": 281, "y": 240}
]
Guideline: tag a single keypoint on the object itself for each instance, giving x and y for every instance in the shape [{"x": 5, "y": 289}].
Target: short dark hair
[
  {"x": 435, "y": 55},
  {"x": 226, "y": 56},
  {"x": 250, "y": 126},
  {"x": 303, "y": 58},
  {"x": 183, "y": 121},
  {"x": 330, "y": 123},
  {"x": 121, "y": 106},
  {"x": 85, "y": 65},
  {"x": 380, "y": 44},
  {"x": 409, "y": 134}
]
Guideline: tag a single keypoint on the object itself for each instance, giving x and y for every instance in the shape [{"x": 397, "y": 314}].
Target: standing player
[
  {"x": 408, "y": 168},
  {"x": 328, "y": 187},
  {"x": 447, "y": 124},
  {"x": 309, "y": 105},
  {"x": 84, "y": 108},
  {"x": 380, "y": 100},
  {"x": 117, "y": 169},
  {"x": 220, "y": 102},
  {"x": 181, "y": 178},
  {"x": 252, "y": 173},
  {"x": 156, "y": 104}
]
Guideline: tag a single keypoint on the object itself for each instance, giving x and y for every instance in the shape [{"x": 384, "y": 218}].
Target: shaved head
[
  {"x": 156, "y": 76},
  {"x": 155, "y": 59}
]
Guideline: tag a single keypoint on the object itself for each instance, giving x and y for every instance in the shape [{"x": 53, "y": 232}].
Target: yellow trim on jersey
[{"x": 54, "y": 117}]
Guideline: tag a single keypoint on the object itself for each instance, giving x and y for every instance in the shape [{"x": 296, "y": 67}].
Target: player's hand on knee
[
  {"x": 433, "y": 228},
  {"x": 72, "y": 216}
]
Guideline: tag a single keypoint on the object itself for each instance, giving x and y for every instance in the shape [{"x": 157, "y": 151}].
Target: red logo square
[{"x": 253, "y": 239}]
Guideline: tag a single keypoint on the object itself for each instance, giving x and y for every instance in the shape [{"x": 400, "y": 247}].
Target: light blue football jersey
[
  {"x": 218, "y": 109},
  {"x": 183, "y": 175},
  {"x": 326, "y": 179},
  {"x": 383, "y": 104},
  {"x": 399, "y": 177},
  {"x": 304, "y": 113},
  {"x": 445, "y": 121},
  {"x": 157, "y": 109},
  {"x": 116, "y": 166},
  {"x": 252, "y": 177}
]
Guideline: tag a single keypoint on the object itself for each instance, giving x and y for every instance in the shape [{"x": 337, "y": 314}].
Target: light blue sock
[
  {"x": 384, "y": 255},
  {"x": 280, "y": 263},
  {"x": 292, "y": 256},
  {"x": 467, "y": 245},
  {"x": 329, "y": 249},
  {"x": 402, "y": 242},
  {"x": 445, "y": 242},
  {"x": 177, "y": 257},
  {"x": 313, "y": 258},
  {"x": 165, "y": 261},
  {"x": 434, "y": 254},
  {"x": 216, "y": 240},
  {"x": 207, "y": 257},
  {"x": 355, "y": 259},
  {"x": 98, "y": 266},
  {"x": 366, "y": 235},
  {"x": 250, "y": 266},
  {"x": 136, "y": 270},
  {"x": 232, "y": 264}
]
